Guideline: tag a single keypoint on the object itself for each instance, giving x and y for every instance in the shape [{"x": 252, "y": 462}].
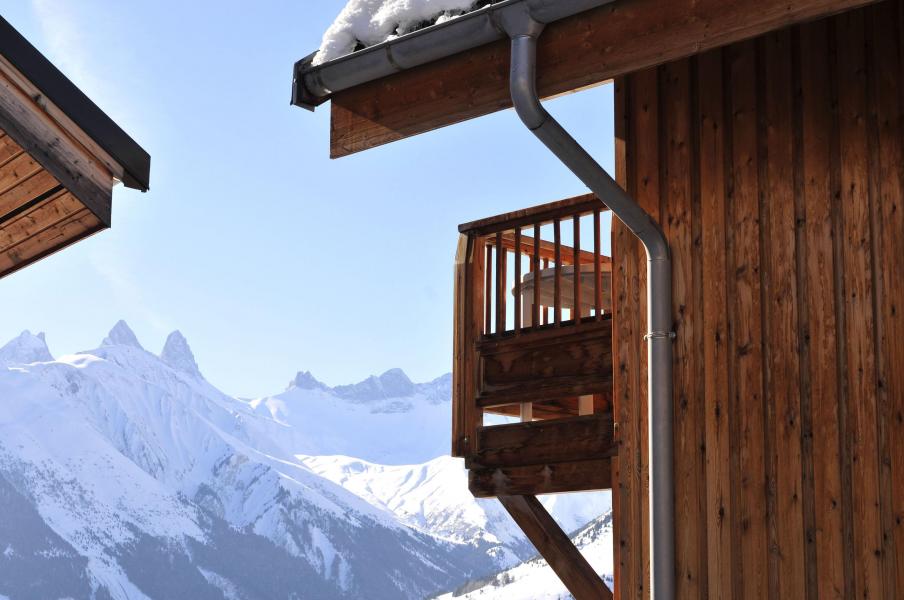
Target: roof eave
[
  {"x": 58, "y": 89},
  {"x": 313, "y": 85}
]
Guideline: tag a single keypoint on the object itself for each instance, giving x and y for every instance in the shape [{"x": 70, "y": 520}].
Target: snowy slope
[
  {"x": 136, "y": 467},
  {"x": 534, "y": 580}
]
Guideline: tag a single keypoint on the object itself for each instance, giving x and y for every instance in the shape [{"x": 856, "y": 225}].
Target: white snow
[
  {"x": 229, "y": 589},
  {"x": 110, "y": 442},
  {"x": 369, "y": 22}
]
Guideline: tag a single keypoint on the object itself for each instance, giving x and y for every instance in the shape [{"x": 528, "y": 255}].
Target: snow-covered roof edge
[
  {"x": 314, "y": 84},
  {"x": 364, "y": 23}
]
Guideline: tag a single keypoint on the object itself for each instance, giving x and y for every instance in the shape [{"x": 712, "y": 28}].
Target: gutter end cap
[{"x": 301, "y": 96}]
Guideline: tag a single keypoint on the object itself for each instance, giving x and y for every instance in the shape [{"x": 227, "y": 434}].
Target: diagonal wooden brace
[{"x": 552, "y": 543}]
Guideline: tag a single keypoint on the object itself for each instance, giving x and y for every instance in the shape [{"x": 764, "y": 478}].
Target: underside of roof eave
[{"x": 58, "y": 89}]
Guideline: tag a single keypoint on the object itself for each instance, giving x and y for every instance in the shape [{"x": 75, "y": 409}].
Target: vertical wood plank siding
[{"x": 776, "y": 169}]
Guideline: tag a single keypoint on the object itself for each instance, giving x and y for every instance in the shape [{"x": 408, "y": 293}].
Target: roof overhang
[
  {"x": 60, "y": 156},
  {"x": 314, "y": 84},
  {"x": 372, "y": 105}
]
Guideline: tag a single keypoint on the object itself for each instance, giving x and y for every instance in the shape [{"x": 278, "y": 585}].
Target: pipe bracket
[{"x": 658, "y": 335}]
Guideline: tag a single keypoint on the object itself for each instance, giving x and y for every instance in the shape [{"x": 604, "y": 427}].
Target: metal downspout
[{"x": 524, "y": 31}]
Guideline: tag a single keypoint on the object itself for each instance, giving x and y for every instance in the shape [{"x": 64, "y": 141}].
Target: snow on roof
[{"x": 364, "y": 23}]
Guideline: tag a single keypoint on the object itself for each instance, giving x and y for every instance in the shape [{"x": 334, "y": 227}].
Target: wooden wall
[{"x": 776, "y": 167}]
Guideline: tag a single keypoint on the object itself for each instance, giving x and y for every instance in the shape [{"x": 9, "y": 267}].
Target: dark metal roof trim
[
  {"x": 136, "y": 163},
  {"x": 313, "y": 85}
]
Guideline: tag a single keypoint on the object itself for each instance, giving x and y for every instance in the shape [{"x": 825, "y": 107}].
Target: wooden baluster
[
  {"x": 517, "y": 288},
  {"x": 545, "y": 308},
  {"x": 557, "y": 295},
  {"x": 535, "y": 263},
  {"x": 576, "y": 310},
  {"x": 488, "y": 290},
  {"x": 500, "y": 285},
  {"x": 597, "y": 275}
]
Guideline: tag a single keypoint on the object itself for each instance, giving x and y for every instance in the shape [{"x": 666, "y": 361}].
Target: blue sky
[{"x": 267, "y": 255}]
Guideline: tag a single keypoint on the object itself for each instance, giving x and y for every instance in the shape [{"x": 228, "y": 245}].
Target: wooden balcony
[{"x": 533, "y": 341}]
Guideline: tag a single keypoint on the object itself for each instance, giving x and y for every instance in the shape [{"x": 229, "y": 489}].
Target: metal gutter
[
  {"x": 313, "y": 85},
  {"x": 136, "y": 163}
]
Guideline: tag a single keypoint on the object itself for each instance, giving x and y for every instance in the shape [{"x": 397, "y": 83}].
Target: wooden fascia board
[
  {"x": 75, "y": 168},
  {"x": 575, "y": 53}
]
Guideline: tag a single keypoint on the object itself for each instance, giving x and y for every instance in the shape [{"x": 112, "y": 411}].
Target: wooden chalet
[
  {"x": 766, "y": 141},
  {"x": 60, "y": 157}
]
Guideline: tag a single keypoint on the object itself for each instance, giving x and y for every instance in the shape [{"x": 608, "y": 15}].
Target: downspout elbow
[{"x": 523, "y": 88}]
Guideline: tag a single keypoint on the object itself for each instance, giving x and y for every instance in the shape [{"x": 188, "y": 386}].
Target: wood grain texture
[
  {"x": 49, "y": 146},
  {"x": 887, "y": 23},
  {"x": 822, "y": 322},
  {"x": 587, "y": 49},
  {"x": 779, "y": 297},
  {"x": 710, "y": 120},
  {"x": 36, "y": 213},
  {"x": 860, "y": 360},
  {"x": 545, "y": 365},
  {"x": 462, "y": 397},
  {"x": 776, "y": 167},
  {"x": 544, "y": 442},
  {"x": 577, "y": 476},
  {"x": 49, "y": 240}
]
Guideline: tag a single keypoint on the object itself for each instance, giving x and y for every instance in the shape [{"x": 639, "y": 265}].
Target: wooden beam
[
  {"x": 524, "y": 217},
  {"x": 533, "y": 480},
  {"x": 547, "y": 250},
  {"x": 26, "y": 122},
  {"x": 545, "y": 442},
  {"x": 461, "y": 399},
  {"x": 574, "y": 53},
  {"x": 553, "y": 409},
  {"x": 546, "y": 364},
  {"x": 48, "y": 241},
  {"x": 552, "y": 543},
  {"x": 52, "y": 113}
]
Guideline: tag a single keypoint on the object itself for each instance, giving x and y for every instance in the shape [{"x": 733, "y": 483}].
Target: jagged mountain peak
[
  {"x": 121, "y": 335},
  {"x": 26, "y": 348},
  {"x": 178, "y": 355},
  {"x": 305, "y": 380},
  {"x": 396, "y": 383},
  {"x": 393, "y": 383}
]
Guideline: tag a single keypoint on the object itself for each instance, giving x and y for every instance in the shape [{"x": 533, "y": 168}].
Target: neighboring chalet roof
[
  {"x": 57, "y": 88},
  {"x": 60, "y": 156},
  {"x": 412, "y": 84}
]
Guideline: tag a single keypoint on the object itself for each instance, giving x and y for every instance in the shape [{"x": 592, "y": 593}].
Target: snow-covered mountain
[
  {"x": 534, "y": 580},
  {"x": 386, "y": 419},
  {"x": 124, "y": 474}
]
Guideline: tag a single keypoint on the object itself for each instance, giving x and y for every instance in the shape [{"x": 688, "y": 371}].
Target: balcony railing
[{"x": 532, "y": 328}]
